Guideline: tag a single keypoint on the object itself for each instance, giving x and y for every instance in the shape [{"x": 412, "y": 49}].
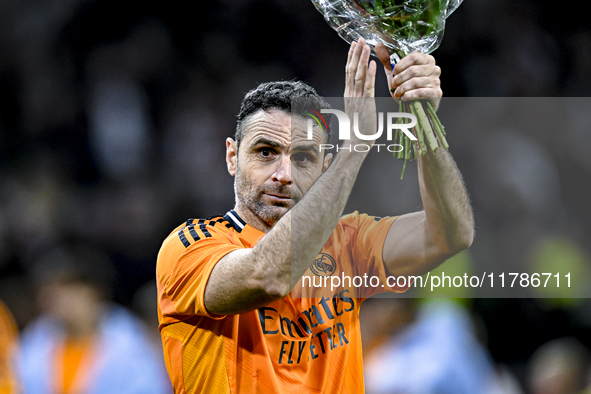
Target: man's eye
[
  {"x": 265, "y": 152},
  {"x": 302, "y": 158}
]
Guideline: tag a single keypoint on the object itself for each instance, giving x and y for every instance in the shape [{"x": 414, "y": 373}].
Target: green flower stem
[
  {"x": 419, "y": 131},
  {"x": 400, "y": 137},
  {"x": 405, "y": 155},
  {"x": 400, "y": 155},
  {"x": 440, "y": 129},
  {"x": 425, "y": 125},
  {"x": 442, "y": 139},
  {"x": 437, "y": 126}
]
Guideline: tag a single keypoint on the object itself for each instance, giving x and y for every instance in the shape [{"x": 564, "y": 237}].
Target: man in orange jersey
[{"x": 228, "y": 319}]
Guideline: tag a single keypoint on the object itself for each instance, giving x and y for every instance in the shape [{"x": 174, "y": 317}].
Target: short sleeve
[
  {"x": 183, "y": 272},
  {"x": 367, "y": 250}
]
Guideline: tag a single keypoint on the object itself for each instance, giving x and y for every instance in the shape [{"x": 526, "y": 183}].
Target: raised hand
[
  {"x": 360, "y": 87},
  {"x": 415, "y": 76}
]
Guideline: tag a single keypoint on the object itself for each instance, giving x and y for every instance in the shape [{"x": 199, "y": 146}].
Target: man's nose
[{"x": 283, "y": 171}]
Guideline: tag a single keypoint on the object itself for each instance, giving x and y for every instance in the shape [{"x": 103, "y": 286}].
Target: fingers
[
  {"x": 423, "y": 93},
  {"x": 427, "y": 72},
  {"x": 360, "y": 78},
  {"x": 360, "y": 75},
  {"x": 415, "y": 76},
  {"x": 415, "y": 58},
  {"x": 428, "y": 84},
  {"x": 370, "y": 80},
  {"x": 349, "y": 70}
]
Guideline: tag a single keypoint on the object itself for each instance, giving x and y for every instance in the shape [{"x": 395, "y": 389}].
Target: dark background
[{"x": 113, "y": 119}]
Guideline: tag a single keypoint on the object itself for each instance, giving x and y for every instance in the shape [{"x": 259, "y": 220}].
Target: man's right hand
[
  {"x": 246, "y": 279},
  {"x": 360, "y": 89}
]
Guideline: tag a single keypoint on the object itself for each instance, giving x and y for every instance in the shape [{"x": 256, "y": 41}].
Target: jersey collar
[
  {"x": 235, "y": 220},
  {"x": 245, "y": 230}
]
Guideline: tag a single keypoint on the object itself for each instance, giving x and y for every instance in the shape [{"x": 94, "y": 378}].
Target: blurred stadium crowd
[{"x": 112, "y": 126}]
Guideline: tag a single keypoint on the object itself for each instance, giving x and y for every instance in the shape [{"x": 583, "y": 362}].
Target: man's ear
[
  {"x": 327, "y": 160},
  {"x": 231, "y": 155}
]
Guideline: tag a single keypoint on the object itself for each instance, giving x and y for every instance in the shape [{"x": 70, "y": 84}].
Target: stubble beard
[{"x": 250, "y": 197}]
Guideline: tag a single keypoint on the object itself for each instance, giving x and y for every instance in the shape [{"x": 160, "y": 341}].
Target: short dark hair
[{"x": 279, "y": 95}]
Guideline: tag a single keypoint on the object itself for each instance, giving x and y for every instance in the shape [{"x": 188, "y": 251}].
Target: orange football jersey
[{"x": 300, "y": 344}]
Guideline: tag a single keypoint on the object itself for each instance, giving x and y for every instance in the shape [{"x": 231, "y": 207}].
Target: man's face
[{"x": 275, "y": 165}]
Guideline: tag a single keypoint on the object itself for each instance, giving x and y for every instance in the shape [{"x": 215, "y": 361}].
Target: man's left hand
[{"x": 415, "y": 76}]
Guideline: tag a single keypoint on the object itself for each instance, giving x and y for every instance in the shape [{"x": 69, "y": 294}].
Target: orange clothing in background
[
  {"x": 72, "y": 362},
  {"x": 8, "y": 347},
  {"x": 303, "y": 345}
]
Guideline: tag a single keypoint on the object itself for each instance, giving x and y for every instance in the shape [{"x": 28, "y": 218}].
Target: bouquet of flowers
[{"x": 403, "y": 26}]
